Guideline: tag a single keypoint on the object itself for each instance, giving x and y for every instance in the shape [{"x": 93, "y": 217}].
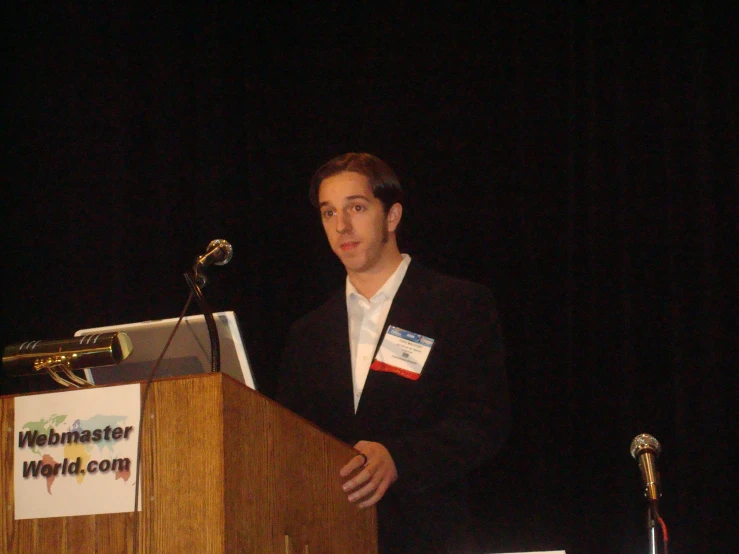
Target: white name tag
[{"x": 403, "y": 353}]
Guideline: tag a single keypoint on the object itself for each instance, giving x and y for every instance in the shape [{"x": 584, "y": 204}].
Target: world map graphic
[{"x": 84, "y": 451}]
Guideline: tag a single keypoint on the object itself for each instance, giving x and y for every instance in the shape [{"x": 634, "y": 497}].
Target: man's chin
[{"x": 352, "y": 261}]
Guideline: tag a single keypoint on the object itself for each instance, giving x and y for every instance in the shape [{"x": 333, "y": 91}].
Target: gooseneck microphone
[
  {"x": 218, "y": 252},
  {"x": 645, "y": 449}
]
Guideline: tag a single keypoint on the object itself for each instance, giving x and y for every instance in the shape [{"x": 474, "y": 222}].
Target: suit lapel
[
  {"x": 405, "y": 312},
  {"x": 337, "y": 355}
]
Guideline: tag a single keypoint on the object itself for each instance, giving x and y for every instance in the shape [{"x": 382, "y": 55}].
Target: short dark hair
[{"x": 383, "y": 180}]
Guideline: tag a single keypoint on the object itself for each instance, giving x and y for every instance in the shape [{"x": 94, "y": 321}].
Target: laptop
[{"x": 188, "y": 354}]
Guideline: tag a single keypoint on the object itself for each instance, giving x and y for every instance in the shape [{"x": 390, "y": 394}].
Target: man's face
[{"x": 356, "y": 225}]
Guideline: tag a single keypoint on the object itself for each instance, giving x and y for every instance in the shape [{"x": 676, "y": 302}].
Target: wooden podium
[{"x": 224, "y": 470}]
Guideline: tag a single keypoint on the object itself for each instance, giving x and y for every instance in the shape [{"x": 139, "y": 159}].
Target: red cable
[{"x": 664, "y": 534}]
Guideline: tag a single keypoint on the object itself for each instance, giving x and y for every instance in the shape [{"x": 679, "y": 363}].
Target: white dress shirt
[{"x": 366, "y": 321}]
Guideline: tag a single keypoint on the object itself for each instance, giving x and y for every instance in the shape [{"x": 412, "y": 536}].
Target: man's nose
[{"x": 343, "y": 222}]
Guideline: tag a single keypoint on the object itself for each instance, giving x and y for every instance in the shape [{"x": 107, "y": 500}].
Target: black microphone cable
[
  {"x": 219, "y": 252},
  {"x": 144, "y": 397}
]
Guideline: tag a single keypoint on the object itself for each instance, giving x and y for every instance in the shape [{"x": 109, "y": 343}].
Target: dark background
[{"x": 578, "y": 159}]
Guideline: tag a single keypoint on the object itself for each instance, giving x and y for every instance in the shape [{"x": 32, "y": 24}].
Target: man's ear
[{"x": 394, "y": 215}]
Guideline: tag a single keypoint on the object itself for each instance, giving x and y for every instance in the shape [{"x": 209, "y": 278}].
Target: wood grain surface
[{"x": 224, "y": 469}]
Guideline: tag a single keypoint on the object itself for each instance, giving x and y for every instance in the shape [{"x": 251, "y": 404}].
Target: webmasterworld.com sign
[{"x": 75, "y": 452}]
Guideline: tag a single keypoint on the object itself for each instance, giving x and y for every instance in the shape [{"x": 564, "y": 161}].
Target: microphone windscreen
[{"x": 644, "y": 442}]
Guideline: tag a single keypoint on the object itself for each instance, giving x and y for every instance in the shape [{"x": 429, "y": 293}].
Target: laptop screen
[{"x": 189, "y": 352}]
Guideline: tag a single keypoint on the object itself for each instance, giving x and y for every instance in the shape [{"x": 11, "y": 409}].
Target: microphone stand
[
  {"x": 215, "y": 345},
  {"x": 652, "y": 529}
]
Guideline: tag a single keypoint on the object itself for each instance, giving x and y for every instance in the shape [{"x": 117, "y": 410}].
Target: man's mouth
[{"x": 349, "y": 245}]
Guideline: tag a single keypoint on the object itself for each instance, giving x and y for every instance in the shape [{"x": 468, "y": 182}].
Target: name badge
[{"x": 402, "y": 352}]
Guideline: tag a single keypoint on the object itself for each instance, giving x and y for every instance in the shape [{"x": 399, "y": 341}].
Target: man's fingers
[
  {"x": 365, "y": 490},
  {"x": 354, "y": 464},
  {"x": 370, "y": 484},
  {"x": 375, "y": 498},
  {"x": 360, "y": 478}
]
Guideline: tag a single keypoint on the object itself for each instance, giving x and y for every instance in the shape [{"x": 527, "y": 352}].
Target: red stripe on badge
[{"x": 387, "y": 368}]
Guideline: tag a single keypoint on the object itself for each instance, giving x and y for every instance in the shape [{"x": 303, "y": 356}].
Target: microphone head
[
  {"x": 644, "y": 443},
  {"x": 222, "y": 251}
]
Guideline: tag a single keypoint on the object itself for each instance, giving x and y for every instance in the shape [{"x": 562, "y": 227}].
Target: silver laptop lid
[{"x": 188, "y": 354}]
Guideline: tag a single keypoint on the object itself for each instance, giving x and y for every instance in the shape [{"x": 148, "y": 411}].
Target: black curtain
[{"x": 577, "y": 158}]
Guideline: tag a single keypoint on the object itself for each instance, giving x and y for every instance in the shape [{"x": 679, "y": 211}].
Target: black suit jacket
[{"x": 436, "y": 428}]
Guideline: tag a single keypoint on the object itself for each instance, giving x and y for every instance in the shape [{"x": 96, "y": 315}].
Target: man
[{"x": 404, "y": 364}]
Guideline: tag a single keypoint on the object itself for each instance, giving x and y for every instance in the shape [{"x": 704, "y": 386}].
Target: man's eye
[{"x": 358, "y": 208}]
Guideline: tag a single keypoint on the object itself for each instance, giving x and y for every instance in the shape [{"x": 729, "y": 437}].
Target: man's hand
[{"x": 377, "y": 474}]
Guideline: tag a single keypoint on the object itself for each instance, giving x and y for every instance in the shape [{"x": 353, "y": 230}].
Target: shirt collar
[{"x": 389, "y": 289}]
